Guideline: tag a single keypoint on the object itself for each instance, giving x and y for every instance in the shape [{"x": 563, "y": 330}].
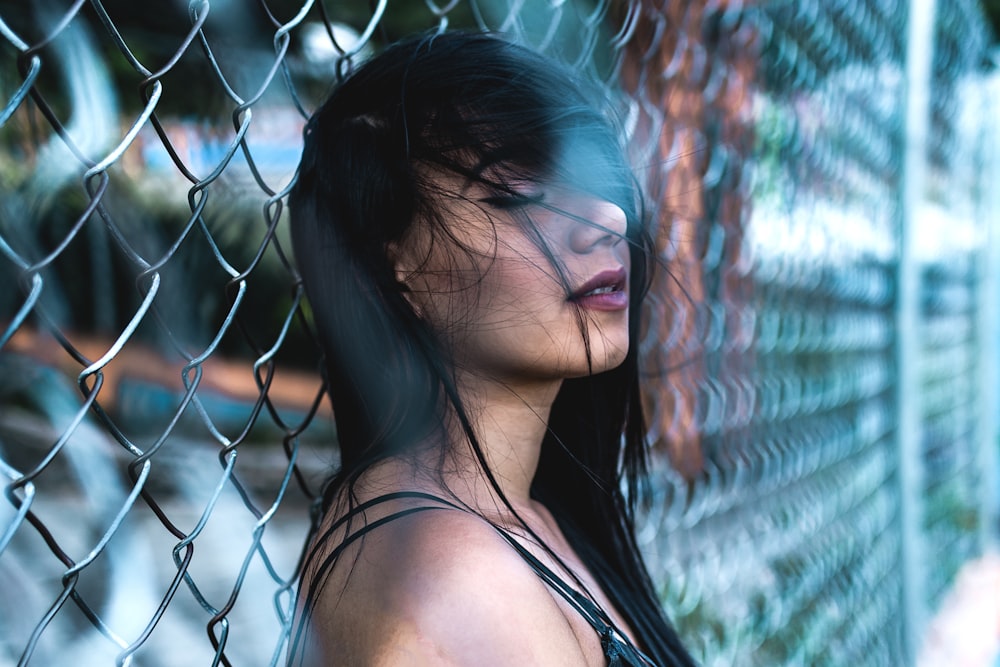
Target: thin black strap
[
  {"x": 584, "y": 605},
  {"x": 398, "y": 495},
  {"x": 617, "y": 647},
  {"x": 348, "y": 540},
  {"x": 328, "y": 562},
  {"x": 578, "y": 601}
]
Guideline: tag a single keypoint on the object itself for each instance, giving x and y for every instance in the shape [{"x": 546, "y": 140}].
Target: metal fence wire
[{"x": 819, "y": 361}]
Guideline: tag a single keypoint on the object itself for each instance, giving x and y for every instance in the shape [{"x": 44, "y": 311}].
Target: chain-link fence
[{"x": 819, "y": 358}]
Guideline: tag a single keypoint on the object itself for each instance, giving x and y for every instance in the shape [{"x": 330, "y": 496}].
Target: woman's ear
[{"x": 401, "y": 263}]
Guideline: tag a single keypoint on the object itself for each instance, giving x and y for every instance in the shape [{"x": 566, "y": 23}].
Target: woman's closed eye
[{"x": 513, "y": 200}]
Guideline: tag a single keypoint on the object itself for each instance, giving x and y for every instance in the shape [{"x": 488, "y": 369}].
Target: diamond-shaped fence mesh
[{"x": 162, "y": 426}]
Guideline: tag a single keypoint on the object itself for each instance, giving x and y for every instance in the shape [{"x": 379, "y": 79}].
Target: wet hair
[{"x": 481, "y": 109}]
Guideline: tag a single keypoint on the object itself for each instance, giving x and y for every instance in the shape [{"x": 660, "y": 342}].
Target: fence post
[
  {"x": 919, "y": 58},
  {"x": 989, "y": 316}
]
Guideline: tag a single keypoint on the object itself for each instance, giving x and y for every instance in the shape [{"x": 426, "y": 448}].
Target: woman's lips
[{"x": 608, "y": 290}]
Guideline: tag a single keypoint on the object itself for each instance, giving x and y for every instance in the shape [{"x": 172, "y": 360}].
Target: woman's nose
[{"x": 600, "y": 224}]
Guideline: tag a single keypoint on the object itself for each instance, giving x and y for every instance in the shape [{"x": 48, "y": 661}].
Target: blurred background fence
[{"x": 821, "y": 362}]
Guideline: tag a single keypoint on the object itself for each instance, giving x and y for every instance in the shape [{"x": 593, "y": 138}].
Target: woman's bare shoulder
[{"x": 439, "y": 587}]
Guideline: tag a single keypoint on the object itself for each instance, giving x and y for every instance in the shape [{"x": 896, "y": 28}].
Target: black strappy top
[{"x": 619, "y": 651}]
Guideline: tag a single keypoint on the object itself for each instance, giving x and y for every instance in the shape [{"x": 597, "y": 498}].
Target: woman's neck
[{"x": 510, "y": 423}]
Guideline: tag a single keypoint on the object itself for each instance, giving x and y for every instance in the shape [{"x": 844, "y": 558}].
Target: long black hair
[{"x": 495, "y": 114}]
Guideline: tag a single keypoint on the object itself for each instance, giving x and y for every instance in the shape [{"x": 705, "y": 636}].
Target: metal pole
[
  {"x": 989, "y": 313},
  {"x": 919, "y": 53}
]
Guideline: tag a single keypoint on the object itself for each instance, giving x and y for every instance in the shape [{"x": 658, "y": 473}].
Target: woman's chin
[{"x": 601, "y": 360}]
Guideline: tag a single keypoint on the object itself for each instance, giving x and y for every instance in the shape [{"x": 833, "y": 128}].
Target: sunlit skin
[
  {"x": 497, "y": 298},
  {"x": 465, "y": 597}
]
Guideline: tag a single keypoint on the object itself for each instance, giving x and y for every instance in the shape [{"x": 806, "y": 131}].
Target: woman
[{"x": 467, "y": 232}]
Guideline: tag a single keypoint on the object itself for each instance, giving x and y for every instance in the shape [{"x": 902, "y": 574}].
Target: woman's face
[{"x": 498, "y": 300}]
